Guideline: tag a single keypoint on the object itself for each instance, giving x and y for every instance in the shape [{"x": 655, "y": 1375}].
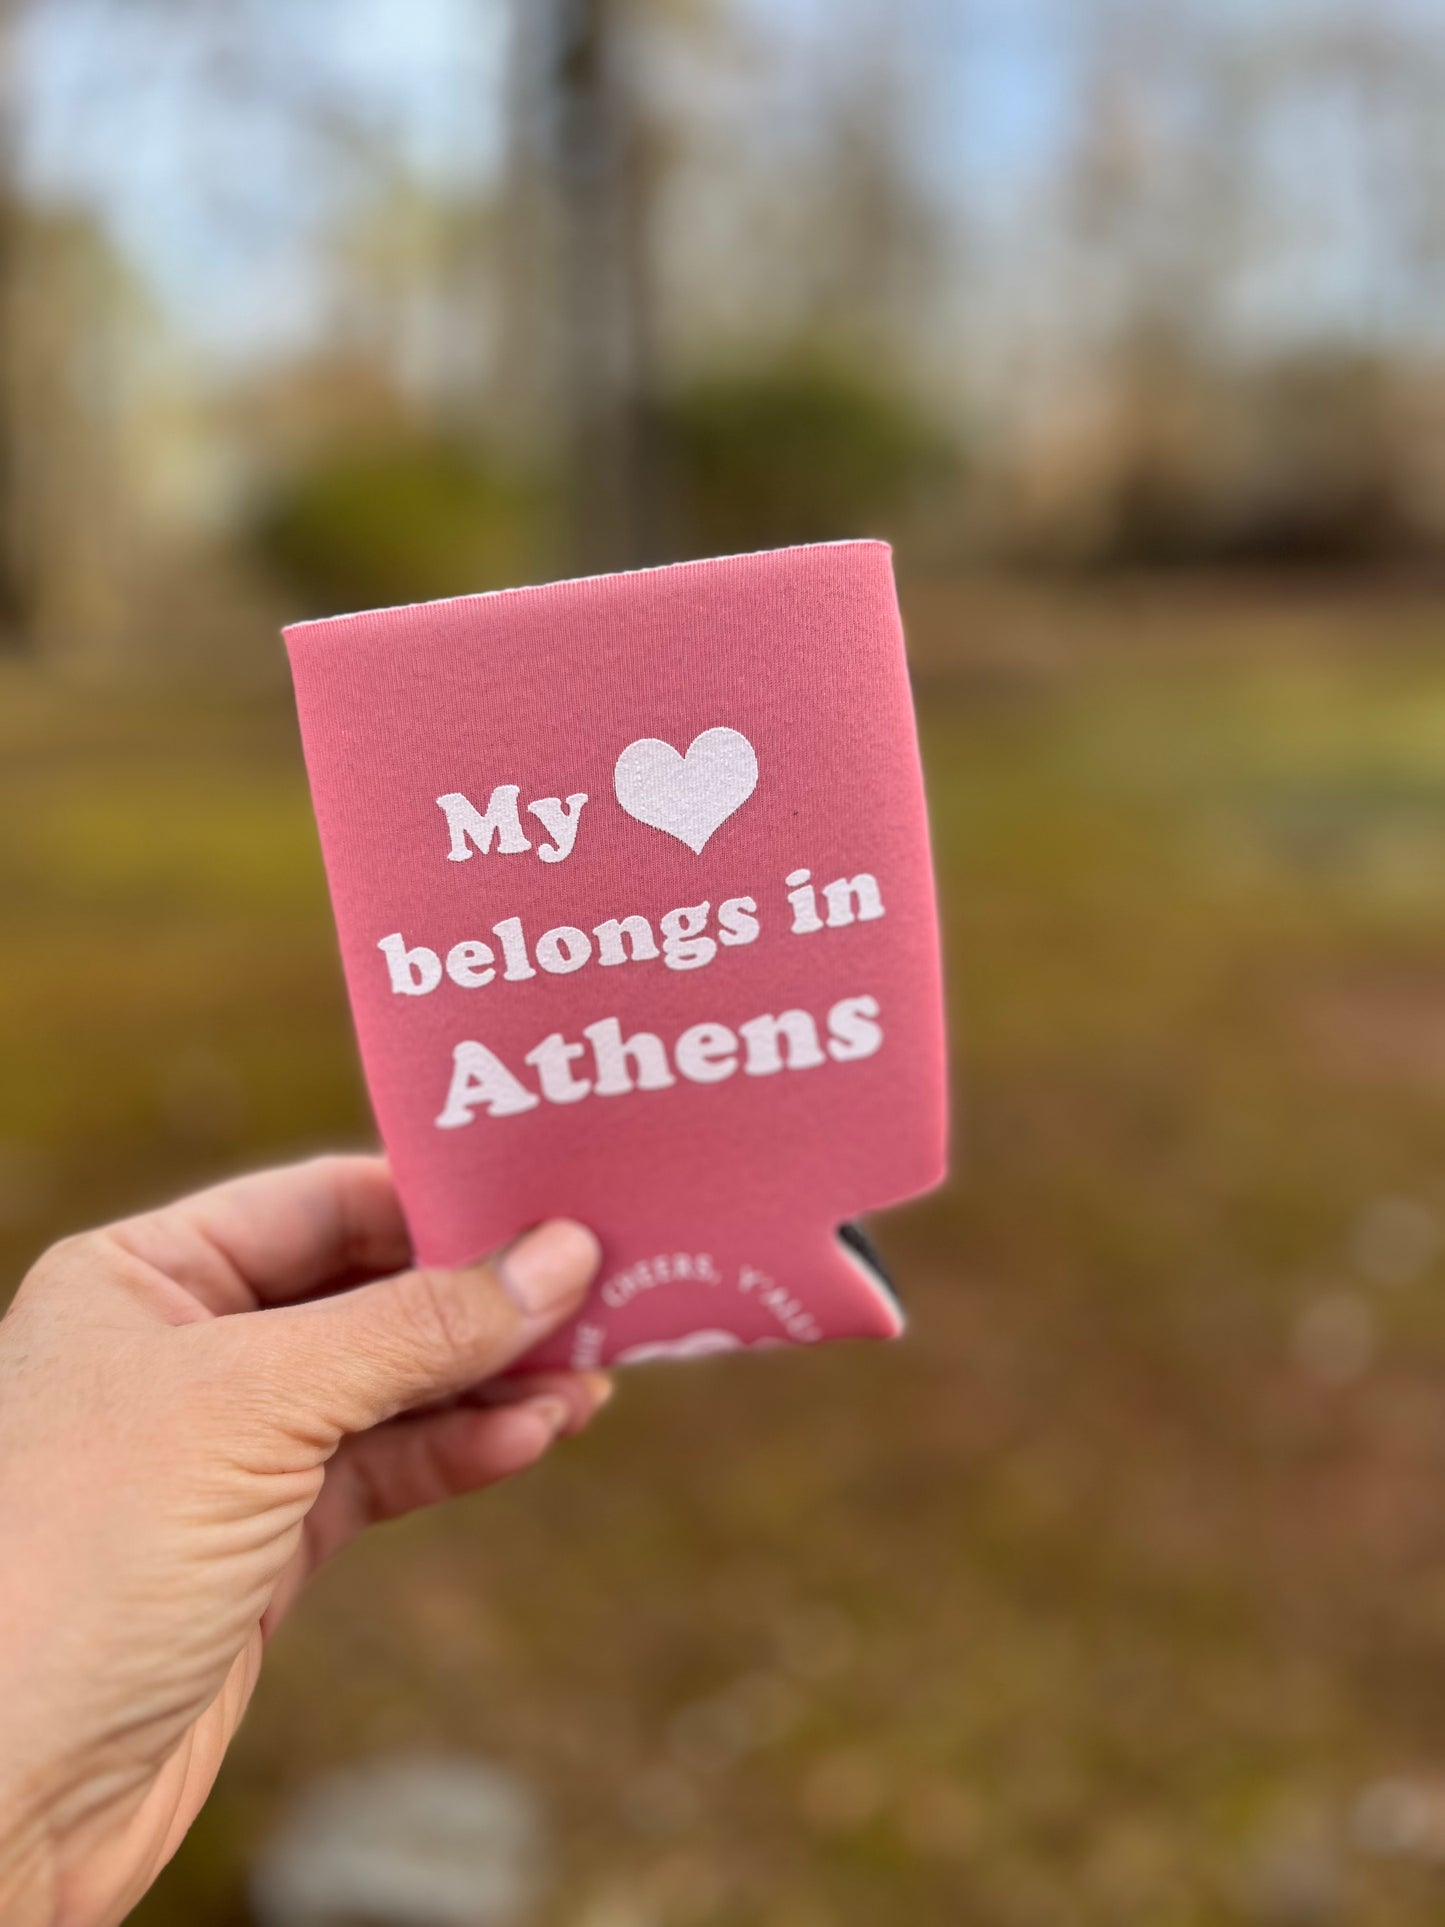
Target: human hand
[{"x": 197, "y": 1407}]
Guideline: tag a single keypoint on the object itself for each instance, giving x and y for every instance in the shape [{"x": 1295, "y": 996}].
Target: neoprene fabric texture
[{"x": 566, "y": 830}]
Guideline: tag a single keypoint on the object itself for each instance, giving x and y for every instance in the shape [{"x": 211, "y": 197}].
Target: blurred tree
[
  {"x": 414, "y": 296},
  {"x": 582, "y": 177},
  {"x": 802, "y": 452},
  {"x": 87, "y": 435},
  {"x": 1187, "y": 305},
  {"x": 875, "y": 253},
  {"x": 402, "y": 519},
  {"x": 16, "y": 586},
  {"x": 1323, "y": 463}
]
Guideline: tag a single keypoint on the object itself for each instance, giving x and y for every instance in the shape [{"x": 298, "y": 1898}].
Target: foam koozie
[{"x": 632, "y": 882}]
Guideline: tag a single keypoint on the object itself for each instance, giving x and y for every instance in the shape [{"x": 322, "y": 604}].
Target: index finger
[{"x": 276, "y": 1236}]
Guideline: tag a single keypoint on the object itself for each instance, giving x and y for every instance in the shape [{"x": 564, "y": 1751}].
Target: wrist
[
  {"x": 27, "y": 1862},
  {"x": 27, "y": 1892}
]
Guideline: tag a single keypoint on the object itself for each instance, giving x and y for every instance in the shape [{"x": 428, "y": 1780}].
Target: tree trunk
[
  {"x": 592, "y": 151},
  {"x": 16, "y": 588}
]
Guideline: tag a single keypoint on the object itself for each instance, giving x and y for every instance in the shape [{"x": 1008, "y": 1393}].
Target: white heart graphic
[
  {"x": 687, "y": 796},
  {"x": 703, "y": 1344}
]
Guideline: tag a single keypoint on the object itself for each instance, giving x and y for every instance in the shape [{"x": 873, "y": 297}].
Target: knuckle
[
  {"x": 335, "y": 1167},
  {"x": 443, "y": 1321},
  {"x": 81, "y": 1251},
  {"x": 49, "y": 1283}
]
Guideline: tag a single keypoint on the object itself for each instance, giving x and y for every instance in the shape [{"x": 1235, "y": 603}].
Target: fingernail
[
  {"x": 554, "y": 1412},
  {"x": 549, "y": 1268}
]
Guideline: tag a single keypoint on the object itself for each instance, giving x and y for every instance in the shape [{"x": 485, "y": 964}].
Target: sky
[
  {"x": 217, "y": 160},
  {"x": 199, "y": 163},
  {"x": 205, "y": 178}
]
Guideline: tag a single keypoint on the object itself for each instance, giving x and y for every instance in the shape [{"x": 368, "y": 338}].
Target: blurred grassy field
[{"x": 1115, "y": 1595}]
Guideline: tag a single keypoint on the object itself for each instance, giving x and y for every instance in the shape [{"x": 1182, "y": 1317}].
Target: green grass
[{"x": 1101, "y": 1598}]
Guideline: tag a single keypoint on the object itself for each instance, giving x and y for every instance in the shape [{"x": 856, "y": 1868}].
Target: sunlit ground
[{"x": 1116, "y": 1594}]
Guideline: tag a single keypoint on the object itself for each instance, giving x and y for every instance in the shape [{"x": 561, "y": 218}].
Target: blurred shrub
[
  {"x": 798, "y": 453},
  {"x": 403, "y": 520},
  {"x": 1309, "y": 459},
  {"x": 1327, "y": 469}
]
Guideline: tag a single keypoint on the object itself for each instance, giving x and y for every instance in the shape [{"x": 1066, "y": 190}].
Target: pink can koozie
[{"x": 632, "y": 882}]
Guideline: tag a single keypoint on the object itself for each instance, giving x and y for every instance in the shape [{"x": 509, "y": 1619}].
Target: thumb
[{"x": 346, "y": 1363}]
